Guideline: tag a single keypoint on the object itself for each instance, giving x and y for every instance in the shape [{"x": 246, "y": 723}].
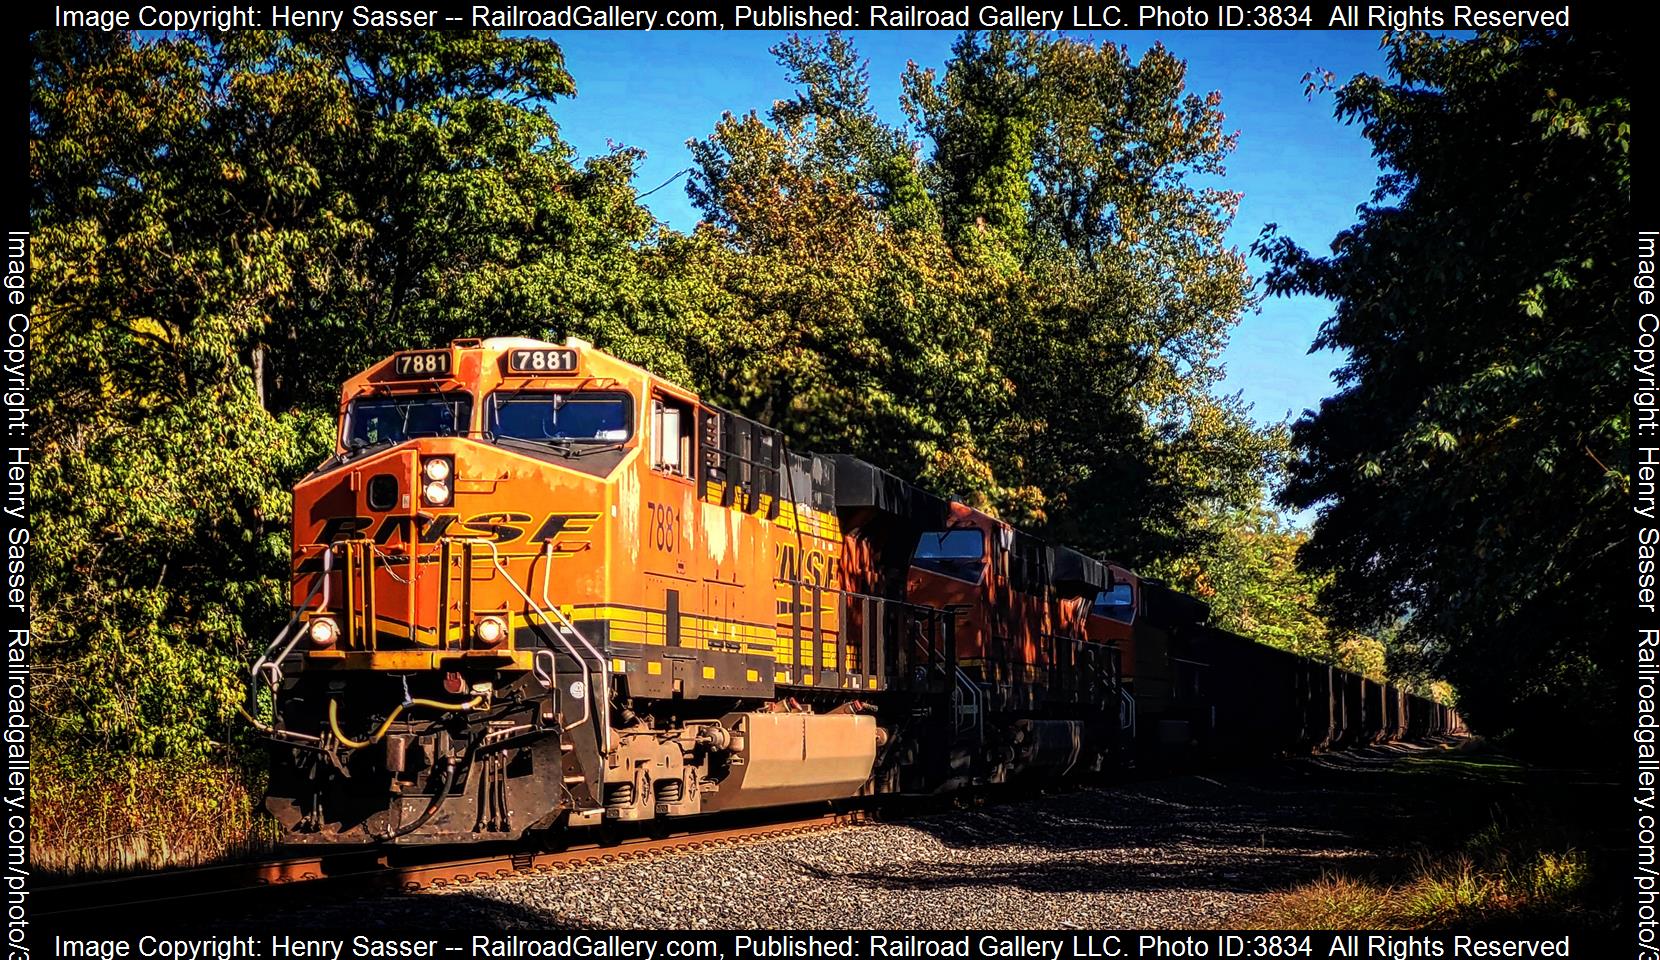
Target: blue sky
[{"x": 1296, "y": 165}]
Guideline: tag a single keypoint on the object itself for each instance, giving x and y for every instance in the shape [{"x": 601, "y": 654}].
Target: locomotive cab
[{"x": 1022, "y": 647}]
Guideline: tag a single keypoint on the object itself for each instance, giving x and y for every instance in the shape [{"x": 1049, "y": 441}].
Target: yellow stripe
[
  {"x": 628, "y": 625},
  {"x": 410, "y": 660}
]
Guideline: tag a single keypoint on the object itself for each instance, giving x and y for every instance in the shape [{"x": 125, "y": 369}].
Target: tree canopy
[
  {"x": 1469, "y": 473},
  {"x": 1029, "y": 293}
]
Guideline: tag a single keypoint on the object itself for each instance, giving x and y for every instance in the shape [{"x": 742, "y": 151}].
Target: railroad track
[
  {"x": 84, "y": 896},
  {"x": 414, "y": 878},
  {"x": 376, "y": 871}
]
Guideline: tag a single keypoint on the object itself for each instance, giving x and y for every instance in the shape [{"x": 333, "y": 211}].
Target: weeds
[
  {"x": 1513, "y": 848},
  {"x": 1333, "y": 902},
  {"x": 125, "y": 815},
  {"x": 1501, "y": 884}
]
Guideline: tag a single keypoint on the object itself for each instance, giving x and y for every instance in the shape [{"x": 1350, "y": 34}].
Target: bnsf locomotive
[{"x": 538, "y": 587}]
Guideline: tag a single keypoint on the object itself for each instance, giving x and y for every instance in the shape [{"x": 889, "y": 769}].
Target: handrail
[
  {"x": 599, "y": 658},
  {"x": 265, "y": 659},
  {"x": 967, "y": 684},
  {"x": 605, "y": 674},
  {"x": 587, "y": 680}
]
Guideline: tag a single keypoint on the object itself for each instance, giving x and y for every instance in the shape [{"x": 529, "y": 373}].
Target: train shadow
[
  {"x": 1242, "y": 874},
  {"x": 1249, "y": 829}
]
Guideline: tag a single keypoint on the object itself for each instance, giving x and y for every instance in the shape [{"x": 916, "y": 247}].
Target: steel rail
[
  {"x": 415, "y": 877},
  {"x": 369, "y": 870}
]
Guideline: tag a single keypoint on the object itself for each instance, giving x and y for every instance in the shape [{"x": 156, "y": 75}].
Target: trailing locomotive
[{"x": 538, "y": 587}]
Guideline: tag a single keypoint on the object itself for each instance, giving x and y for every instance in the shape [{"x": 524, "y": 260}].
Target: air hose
[
  {"x": 334, "y": 718},
  {"x": 432, "y": 807}
]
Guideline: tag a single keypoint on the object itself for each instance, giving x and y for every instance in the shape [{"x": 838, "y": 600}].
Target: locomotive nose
[{"x": 381, "y": 518}]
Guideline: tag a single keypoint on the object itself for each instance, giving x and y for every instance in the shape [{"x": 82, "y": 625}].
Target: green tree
[
  {"x": 981, "y": 118},
  {"x": 157, "y": 521},
  {"x": 828, "y": 302},
  {"x": 1246, "y": 570},
  {"x": 436, "y": 199},
  {"x": 1023, "y": 307},
  {"x": 1248, "y": 575},
  {"x": 1462, "y": 472},
  {"x": 226, "y": 226},
  {"x": 1069, "y": 170}
]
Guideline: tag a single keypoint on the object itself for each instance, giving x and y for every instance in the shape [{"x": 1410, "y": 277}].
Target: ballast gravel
[{"x": 1184, "y": 852}]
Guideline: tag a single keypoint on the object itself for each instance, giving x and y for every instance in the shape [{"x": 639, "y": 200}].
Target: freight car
[{"x": 537, "y": 587}]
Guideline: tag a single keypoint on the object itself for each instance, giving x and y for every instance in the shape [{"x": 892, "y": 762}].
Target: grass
[
  {"x": 1523, "y": 858},
  {"x": 121, "y": 816},
  {"x": 1456, "y": 891}
]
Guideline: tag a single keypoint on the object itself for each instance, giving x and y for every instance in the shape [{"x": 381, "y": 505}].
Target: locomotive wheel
[
  {"x": 659, "y": 828},
  {"x": 609, "y": 833},
  {"x": 553, "y": 838}
]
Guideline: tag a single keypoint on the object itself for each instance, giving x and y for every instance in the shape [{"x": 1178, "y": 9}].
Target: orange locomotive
[{"x": 539, "y": 587}]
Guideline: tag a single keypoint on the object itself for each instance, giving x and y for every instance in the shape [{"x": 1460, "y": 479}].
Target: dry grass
[
  {"x": 131, "y": 815},
  {"x": 1461, "y": 890},
  {"x": 1334, "y": 902},
  {"x": 1512, "y": 844}
]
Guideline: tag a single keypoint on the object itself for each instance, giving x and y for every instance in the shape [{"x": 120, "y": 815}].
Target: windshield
[
  {"x": 541, "y": 417},
  {"x": 373, "y": 420},
  {"x": 1115, "y": 604},
  {"x": 955, "y": 553}
]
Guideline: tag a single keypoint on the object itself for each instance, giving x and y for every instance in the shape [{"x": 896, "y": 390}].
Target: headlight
[
  {"x": 437, "y": 472},
  {"x": 490, "y": 631},
  {"x": 323, "y": 631}
]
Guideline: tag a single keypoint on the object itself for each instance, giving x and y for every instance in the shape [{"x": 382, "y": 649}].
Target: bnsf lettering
[
  {"x": 501, "y": 527},
  {"x": 431, "y": 528},
  {"x": 344, "y": 528},
  {"x": 821, "y": 569},
  {"x": 558, "y": 523}
]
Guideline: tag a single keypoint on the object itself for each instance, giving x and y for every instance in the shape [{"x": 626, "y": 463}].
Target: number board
[
  {"x": 421, "y": 364},
  {"x": 541, "y": 361}
]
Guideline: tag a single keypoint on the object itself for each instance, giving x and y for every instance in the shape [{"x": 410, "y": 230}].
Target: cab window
[
  {"x": 375, "y": 420},
  {"x": 671, "y": 436},
  {"x": 955, "y": 553},
  {"x": 1115, "y": 604},
  {"x": 563, "y": 417}
]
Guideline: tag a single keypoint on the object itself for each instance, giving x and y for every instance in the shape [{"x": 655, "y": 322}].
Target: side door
[{"x": 669, "y": 559}]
